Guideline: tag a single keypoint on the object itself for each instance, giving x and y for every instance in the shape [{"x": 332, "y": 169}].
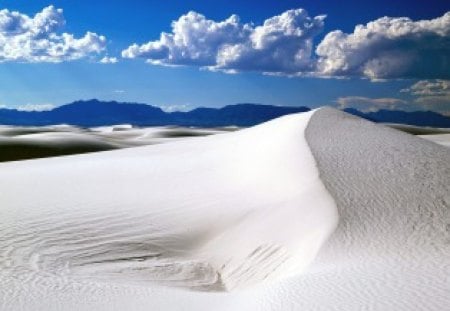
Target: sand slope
[
  {"x": 441, "y": 139},
  {"x": 241, "y": 220},
  {"x": 391, "y": 249},
  {"x": 209, "y": 214}
]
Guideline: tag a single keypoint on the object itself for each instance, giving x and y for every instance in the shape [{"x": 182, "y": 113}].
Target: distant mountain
[
  {"x": 239, "y": 114},
  {"x": 88, "y": 113},
  {"x": 96, "y": 113},
  {"x": 417, "y": 118}
]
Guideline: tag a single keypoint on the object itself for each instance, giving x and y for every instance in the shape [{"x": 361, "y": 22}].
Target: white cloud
[
  {"x": 367, "y": 104},
  {"x": 109, "y": 60},
  {"x": 431, "y": 94},
  {"x": 177, "y": 107},
  {"x": 37, "y": 39},
  {"x": 35, "y": 107},
  {"x": 389, "y": 48},
  {"x": 283, "y": 44},
  {"x": 429, "y": 88}
]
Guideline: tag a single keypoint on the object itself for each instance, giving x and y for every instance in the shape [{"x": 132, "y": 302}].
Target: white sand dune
[
  {"x": 441, "y": 139},
  {"x": 239, "y": 221},
  {"x": 391, "y": 249},
  {"x": 212, "y": 214}
]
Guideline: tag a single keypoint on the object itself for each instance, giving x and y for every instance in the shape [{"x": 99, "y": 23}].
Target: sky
[{"x": 179, "y": 55}]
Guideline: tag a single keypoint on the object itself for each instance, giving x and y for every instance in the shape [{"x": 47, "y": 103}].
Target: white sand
[
  {"x": 243, "y": 211},
  {"x": 391, "y": 249},
  {"x": 239, "y": 211},
  {"x": 441, "y": 139}
]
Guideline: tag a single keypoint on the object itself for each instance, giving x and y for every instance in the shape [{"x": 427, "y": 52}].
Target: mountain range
[{"x": 96, "y": 113}]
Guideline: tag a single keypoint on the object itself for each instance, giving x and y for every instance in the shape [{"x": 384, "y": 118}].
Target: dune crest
[{"x": 392, "y": 189}]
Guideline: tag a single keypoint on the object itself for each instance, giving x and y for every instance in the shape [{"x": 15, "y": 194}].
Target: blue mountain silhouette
[{"x": 95, "y": 113}]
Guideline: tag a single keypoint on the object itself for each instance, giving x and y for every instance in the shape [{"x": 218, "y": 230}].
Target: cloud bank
[
  {"x": 389, "y": 48},
  {"x": 425, "y": 95},
  {"x": 284, "y": 44},
  {"x": 431, "y": 94},
  {"x": 385, "y": 48},
  {"x": 37, "y": 39},
  {"x": 429, "y": 88},
  {"x": 367, "y": 104}
]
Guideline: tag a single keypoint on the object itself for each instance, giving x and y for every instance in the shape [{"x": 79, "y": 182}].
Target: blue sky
[{"x": 296, "y": 59}]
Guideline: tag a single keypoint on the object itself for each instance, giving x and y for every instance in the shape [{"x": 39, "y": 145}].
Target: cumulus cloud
[
  {"x": 367, "y": 104},
  {"x": 38, "y": 38},
  {"x": 382, "y": 49},
  {"x": 431, "y": 94},
  {"x": 388, "y": 48},
  {"x": 109, "y": 60},
  {"x": 282, "y": 44}
]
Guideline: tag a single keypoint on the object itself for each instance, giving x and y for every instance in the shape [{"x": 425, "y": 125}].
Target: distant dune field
[{"x": 21, "y": 143}]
